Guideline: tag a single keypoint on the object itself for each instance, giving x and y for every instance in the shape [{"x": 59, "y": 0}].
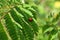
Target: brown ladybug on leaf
[{"x": 30, "y": 19}]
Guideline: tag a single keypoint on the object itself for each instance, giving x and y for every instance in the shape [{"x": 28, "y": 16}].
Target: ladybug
[{"x": 30, "y": 19}]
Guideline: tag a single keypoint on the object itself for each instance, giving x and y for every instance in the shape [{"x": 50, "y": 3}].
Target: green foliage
[
  {"x": 3, "y": 35},
  {"x": 15, "y": 24}
]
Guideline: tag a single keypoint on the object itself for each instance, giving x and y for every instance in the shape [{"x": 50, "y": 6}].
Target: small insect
[
  {"x": 48, "y": 32},
  {"x": 30, "y": 19}
]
